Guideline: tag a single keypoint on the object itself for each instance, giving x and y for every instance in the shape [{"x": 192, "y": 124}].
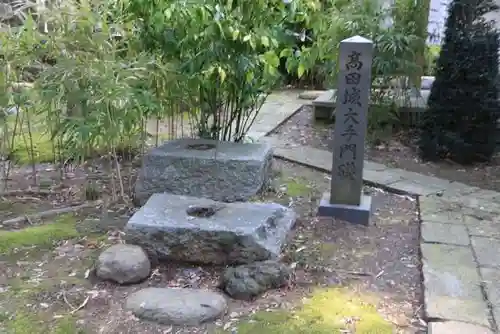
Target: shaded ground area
[
  {"x": 398, "y": 151},
  {"x": 354, "y": 279}
]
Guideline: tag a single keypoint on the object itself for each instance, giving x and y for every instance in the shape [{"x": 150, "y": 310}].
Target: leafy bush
[
  {"x": 394, "y": 44},
  {"x": 463, "y": 106},
  {"x": 224, "y": 53}
]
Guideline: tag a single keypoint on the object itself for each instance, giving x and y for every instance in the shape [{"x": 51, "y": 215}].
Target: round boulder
[
  {"x": 250, "y": 280},
  {"x": 123, "y": 264},
  {"x": 176, "y": 306}
]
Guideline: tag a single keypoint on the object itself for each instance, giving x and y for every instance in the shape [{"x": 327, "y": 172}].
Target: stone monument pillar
[{"x": 346, "y": 200}]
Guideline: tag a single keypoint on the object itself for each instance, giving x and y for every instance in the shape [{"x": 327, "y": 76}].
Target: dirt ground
[
  {"x": 399, "y": 151},
  {"x": 47, "y": 284}
]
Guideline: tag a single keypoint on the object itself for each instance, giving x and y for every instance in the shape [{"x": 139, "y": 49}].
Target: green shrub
[{"x": 463, "y": 106}]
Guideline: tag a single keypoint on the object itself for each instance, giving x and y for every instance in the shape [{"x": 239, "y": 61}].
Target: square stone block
[
  {"x": 355, "y": 214},
  {"x": 199, "y": 230},
  {"x": 222, "y": 171}
]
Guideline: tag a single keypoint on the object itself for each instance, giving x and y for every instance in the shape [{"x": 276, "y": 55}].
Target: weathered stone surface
[
  {"x": 435, "y": 204},
  {"x": 447, "y": 255},
  {"x": 381, "y": 177},
  {"x": 496, "y": 314},
  {"x": 236, "y": 233},
  {"x": 445, "y": 233},
  {"x": 250, "y": 280},
  {"x": 223, "y": 171},
  {"x": 491, "y": 279},
  {"x": 454, "y": 327},
  {"x": 411, "y": 187},
  {"x": 453, "y": 281},
  {"x": 172, "y": 306},
  {"x": 123, "y": 264},
  {"x": 311, "y": 94},
  {"x": 486, "y": 251},
  {"x": 472, "y": 221},
  {"x": 449, "y": 308},
  {"x": 324, "y": 105},
  {"x": 485, "y": 228}
]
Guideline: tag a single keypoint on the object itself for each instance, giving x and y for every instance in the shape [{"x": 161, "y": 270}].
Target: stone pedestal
[
  {"x": 222, "y": 171},
  {"x": 355, "y": 214},
  {"x": 199, "y": 230}
]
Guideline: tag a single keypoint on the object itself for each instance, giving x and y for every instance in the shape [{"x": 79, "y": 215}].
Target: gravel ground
[{"x": 398, "y": 152}]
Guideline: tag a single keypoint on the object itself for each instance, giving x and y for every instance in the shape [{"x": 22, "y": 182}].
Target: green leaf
[
  {"x": 301, "y": 70},
  {"x": 235, "y": 34},
  {"x": 285, "y": 53},
  {"x": 252, "y": 43},
  {"x": 264, "y": 41},
  {"x": 272, "y": 59},
  {"x": 246, "y": 38},
  {"x": 222, "y": 74},
  {"x": 249, "y": 76}
]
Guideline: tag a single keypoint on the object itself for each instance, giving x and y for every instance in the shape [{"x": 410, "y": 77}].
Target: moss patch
[
  {"x": 326, "y": 312},
  {"x": 297, "y": 187},
  {"x": 39, "y": 236},
  {"x": 28, "y": 323}
]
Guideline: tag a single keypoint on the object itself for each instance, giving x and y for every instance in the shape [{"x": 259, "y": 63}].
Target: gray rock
[
  {"x": 173, "y": 306},
  {"x": 187, "y": 167},
  {"x": 123, "y": 264},
  {"x": 248, "y": 281},
  {"x": 234, "y": 233}
]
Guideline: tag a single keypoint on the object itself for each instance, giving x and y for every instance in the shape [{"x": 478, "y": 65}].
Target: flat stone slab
[
  {"x": 485, "y": 228},
  {"x": 445, "y": 233},
  {"x": 326, "y": 99},
  {"x": 223, "y": 171},
  {"x": 449, "y": 308},
  {"x": 447, "y": 255},
  {"x": 487, "y": 251},
  {"x": 452, "y": 281},
  {"x": 173, "y": 306},
  {"x": 199, "y": 230},
  {"x": 491, "y": 279},
  {"x": 454, "y": 327},
  {"x": 311, "y": 94}
]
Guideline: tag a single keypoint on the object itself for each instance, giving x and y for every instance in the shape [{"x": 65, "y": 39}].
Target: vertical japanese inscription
[
  {"x": 353, "y": 91},
  {"x": 352, "y": 101}
]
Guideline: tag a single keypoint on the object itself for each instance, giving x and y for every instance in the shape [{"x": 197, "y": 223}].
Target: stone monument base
[
  {"x": 355, "y": 214},
  {"x": 222, "y": 171},
  {"x": 198, "y": 230}
]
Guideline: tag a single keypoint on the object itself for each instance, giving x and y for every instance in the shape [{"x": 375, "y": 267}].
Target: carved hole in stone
[
  {"x": 201, "y": 147},
  {"x": 203, "y": 211}
]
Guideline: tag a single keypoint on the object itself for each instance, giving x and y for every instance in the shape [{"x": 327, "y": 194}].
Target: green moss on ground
[
  {"x": 326, "y": 312},
  {"x": 297, "y": 187},
  {"x": 29, "y": 323},
  {"x": 40, "y": 236},
  {"x": 15, "y": 317}
]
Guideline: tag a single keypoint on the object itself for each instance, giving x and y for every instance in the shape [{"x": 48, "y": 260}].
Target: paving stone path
[{"x": 460, "y": 231}]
